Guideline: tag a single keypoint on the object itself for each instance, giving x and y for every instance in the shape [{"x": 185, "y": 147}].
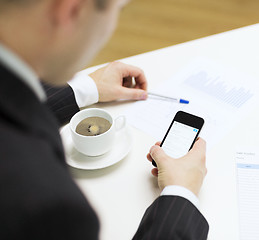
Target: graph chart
[{"x": 235, "y": 96}]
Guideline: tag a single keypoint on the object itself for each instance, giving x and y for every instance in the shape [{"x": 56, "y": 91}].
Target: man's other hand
[{"x": 114, "y": 82}]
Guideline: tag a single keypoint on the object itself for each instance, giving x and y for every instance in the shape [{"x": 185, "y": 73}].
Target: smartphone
[{"x": 181, "y": 134}]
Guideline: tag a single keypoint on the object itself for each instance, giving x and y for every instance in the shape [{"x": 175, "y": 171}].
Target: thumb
[
  {"x": 133, "y": 94},
  {"x": 199, "y": 148},
  {"x": 157, "y": 154}
]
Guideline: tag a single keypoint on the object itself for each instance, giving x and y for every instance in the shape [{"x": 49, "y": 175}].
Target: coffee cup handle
[{"x": 120, "y": 123}]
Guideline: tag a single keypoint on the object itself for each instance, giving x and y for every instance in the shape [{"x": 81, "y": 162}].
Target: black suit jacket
[{"x": 38, "y": 198}]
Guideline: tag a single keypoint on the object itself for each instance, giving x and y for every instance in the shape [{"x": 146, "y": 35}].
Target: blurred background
[{"x": 146, "y": 25}]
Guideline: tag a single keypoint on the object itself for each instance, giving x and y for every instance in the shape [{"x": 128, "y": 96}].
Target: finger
[
  {"x": 200, "y": 144},
  {"x": 132, "y": 94},
  {"x": 199, "y": 150},
  {"x": 141, "y": 82},
  {"x": 127, "y": 82},
  {"x": 157, "y": 154},
  {"x": 149, "y": 157},
  {"x": 132, "y": 71},
  {"x": 154, "y": 171}
]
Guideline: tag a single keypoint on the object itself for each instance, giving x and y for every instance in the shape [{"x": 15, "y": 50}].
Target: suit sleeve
[
  {"x": 172, "y": 217},
  {"x": 62, "y": 102}
]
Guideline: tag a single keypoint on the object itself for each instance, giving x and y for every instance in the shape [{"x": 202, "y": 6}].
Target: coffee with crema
[{"x": 93, "y": 126}]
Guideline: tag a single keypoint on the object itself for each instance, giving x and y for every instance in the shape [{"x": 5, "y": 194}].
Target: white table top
[{"x": 121, "y": 193}]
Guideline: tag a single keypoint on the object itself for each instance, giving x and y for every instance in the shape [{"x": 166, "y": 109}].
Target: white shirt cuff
[
  {"x": 85, "y": 89},
  {"x": 181, "y": 192}
]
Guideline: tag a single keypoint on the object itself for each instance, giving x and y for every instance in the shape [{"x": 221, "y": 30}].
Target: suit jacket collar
[
  {"x": 15, "y": 64},
  {"x": 20, "y": 107}
]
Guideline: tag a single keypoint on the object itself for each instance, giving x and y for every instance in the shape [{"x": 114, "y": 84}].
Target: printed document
[
  {"x": 247, "y": 165},
  {"x": 220, "y": 95}
]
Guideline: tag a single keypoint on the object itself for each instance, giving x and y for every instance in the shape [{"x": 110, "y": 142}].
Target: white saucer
[{"x": 121, "y": 148}]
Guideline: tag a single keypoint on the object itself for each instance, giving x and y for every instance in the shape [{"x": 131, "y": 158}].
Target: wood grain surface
[{"x": 146, "y": 25}]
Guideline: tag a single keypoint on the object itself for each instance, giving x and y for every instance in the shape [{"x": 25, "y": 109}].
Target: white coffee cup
[{"x": 99, "y": 144}]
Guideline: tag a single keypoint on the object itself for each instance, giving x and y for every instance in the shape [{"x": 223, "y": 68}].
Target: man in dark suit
[{"x": 51, "y": 40}]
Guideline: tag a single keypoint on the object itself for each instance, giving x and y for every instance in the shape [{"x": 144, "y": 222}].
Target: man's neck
[{"x": 19, "y": 67}]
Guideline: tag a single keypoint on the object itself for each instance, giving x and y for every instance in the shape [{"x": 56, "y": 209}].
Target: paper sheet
[
  {"x": 247, "y": 163},
  {"x": 220, "y": 95}
]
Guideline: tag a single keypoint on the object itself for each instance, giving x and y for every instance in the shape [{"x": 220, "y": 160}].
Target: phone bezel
[{"x": 187, "y": 119}]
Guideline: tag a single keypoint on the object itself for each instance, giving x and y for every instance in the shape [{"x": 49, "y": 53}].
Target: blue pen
[{"x": 179, "y": 100}]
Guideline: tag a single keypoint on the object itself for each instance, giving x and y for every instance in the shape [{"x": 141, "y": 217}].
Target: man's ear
[{"x": 64, "y": 12}]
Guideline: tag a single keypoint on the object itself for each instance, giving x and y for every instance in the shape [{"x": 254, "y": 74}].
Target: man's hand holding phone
[{"x": 187, "y": 171}]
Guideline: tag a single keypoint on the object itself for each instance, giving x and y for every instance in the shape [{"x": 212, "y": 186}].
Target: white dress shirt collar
[{"x": 14, "y": 63}]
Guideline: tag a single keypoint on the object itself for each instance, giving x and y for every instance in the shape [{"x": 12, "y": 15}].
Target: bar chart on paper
[{"x": 234, "y": 96}]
